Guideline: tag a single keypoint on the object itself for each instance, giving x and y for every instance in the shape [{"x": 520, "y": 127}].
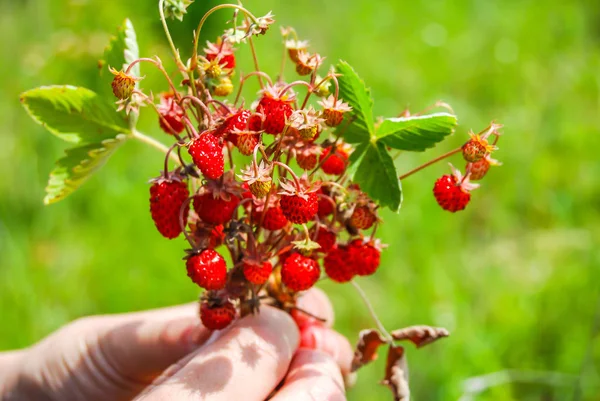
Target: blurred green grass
[{"x": 515, "y": 277}]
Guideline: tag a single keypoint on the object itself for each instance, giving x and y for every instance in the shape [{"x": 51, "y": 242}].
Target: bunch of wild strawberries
[{"x": 278, "y": 225}]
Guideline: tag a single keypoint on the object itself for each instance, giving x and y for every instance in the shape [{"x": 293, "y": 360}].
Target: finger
[
  {"x": 245, "y": 363},
  {"x": 313, "y": 375},
  {"x": 317, "y": 304},
  {"x": 331, "y": 342},
  {"x": 114, "y": 356}
]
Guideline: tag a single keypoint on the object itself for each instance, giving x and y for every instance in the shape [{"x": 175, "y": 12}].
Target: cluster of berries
[{"x": 279, "y": 226}]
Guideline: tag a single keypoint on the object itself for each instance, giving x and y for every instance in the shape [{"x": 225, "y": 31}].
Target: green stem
[
  {"x": 161, "y": 11},
  {"x": 378, "y": 323}
]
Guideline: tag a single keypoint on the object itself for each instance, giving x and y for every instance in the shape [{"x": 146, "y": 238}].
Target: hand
[{"x": 120, "y": 357}]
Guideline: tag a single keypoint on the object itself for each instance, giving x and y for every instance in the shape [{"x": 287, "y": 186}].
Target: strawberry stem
[
  {"x": 429, "y": 163},
  {"x": 154, "y": 143},
  {"x": 294, "y": 176},
  {"x": 161, "y": 12},
  {"x": 378, "y": 323}
]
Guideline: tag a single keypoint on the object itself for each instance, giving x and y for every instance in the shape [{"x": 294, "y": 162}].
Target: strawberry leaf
[
  {"x": 416, "y": 133},
  {"x": 78, "y": 164},
  {"x": 74, "y": 114},
  {"x": 373, "y": 169},
  {"x": 358, "y": 125},
  {"x": 396, "y": 373},
  {"x": 121, "y": 51},
  {"x": 420, "y": 335}
]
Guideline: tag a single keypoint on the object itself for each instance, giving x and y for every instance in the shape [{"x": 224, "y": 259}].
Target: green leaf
[
  {"x": 121, "y": 51},
  {"x": 373, "y": 169},
  {"x": 354, "y": 92},
  {"x": 76, "y": 167},
  {"x": 74, "y": 114},
  {"x": 416, "y": 133}
]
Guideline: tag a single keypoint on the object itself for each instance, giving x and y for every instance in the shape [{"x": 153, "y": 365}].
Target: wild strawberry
[
  {"x": 306, "y": 123},
  {"x": 334, "y": 164},
  {"x": 307, "y": 161},
  {"x": 364, "y": 256},
  {"x": 274, "y": 218},
  {"x": 257, "y": 272},
  {"x": 258, "y": 178},
  {"x": 220, "y": 87},
  {"x": 299, "y": 208},
  {"x": 476, "y": 148},
  {"x": 339, "y": 266},
  {"x": 480, "y": 168},
  {"x": 326, "y": 238},
  {"x": 333, "y": 111},
  {"x": 207, "y": 153},
  {"x": 452, "y": 192},
  {"x": 167, "y": 196},
  {"x": 246, "y": 142},
  {"x": 299, "y": 272},
  {"x": 362, "y": 217},
  {"x": 215, "y": 210},
  {"x": 170, "y": 114},
  {"x": 295, "y": 47},
  {"x": 218, "y": 316},
  {"x": 207, "y": 269},
  {"x": 221, "y": 50},
  {"x": 123, "y": 84},
  {"x": 238, "y": 120},
  {"x": 325, "y": 205},
  {"x": 276, "y": 110},
  {"x": 307, "y": 63}
]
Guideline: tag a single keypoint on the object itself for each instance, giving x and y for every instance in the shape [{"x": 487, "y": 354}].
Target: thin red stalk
[{"x": 429, "y": 163}]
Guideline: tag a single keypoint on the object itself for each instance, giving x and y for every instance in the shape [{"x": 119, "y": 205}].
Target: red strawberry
[
  {"x": 223, "y": 50},
  {"x": 170, "y": 113},
  {"x": 217, "y": 317},
  {"x": 325, "y": 206},
  {"x": 216, "y": 237},
  {"x": 299, "y": 208},
  {"x": 334, "y": 164},
  {"x": 362, "y": 218},
  {"x": 207, "y": 269},
  {"x": 238, "y": 120},
  {"x": 326, "y": 238},
  {"x": 449, "y": 194},
  {"x": 299, "y": 272},
  {"x": 215, "y": 210},
  {"x": 307, "y": 161},
  {"x": 339, "y": 266},
  {"x": 364, "y": 256},
  {"x": 276, "y": 110},
  {"x": 207, "y": 153},
  {"x": 257, "y": 272},
  {"x": 273, "y": 220},
  {"x": 166, "y": 199}
]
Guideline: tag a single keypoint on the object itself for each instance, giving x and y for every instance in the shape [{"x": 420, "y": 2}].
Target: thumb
[{"x": 113, "y": 357}]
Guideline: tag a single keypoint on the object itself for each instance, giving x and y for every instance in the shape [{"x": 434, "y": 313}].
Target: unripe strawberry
[
  {"x": 299, "y": 209},
  {"x": 215, "y": 210},
  {"x": 326, "y": 238},
  {"x": 364, "y": 256},
  {"x": 362, "y": 218},
  {"x": 223, "y": 87},
  {"x": 260, "y": 189},
  {"x": 333, "y": 111},
  {"x": 339, "y": 266},
  {"x": 246, "y": 142},
  {"x": 299, "y": 272},
  {"x": 207, "y": 269},
  {"x": 307, "y": 63},
  {"x": 257, "y": 272},
  {"x": 476, "y": 148},
  {"x": 167, "y": 196},
  {"x": 207, "y": 153},
  {"x": 123, "y": 84},
  {"x": 308, "y": 133},
  {"x": 170, "y": 113},
  {"x": 218, "y": 316},
  {"x": 480, "y": 168},
  {"x": 334, "y": 164},
  {"x": 295, "y": 47}
]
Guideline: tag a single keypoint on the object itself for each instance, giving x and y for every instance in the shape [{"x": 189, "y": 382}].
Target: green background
[{"x": 515, "y": 277}]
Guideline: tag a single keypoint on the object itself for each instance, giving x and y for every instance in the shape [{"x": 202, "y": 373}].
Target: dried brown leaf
[
  {"x": 366, "y": 348},
  {"x": 396, "y": 373},
  {"x": 420, "y": 335}
]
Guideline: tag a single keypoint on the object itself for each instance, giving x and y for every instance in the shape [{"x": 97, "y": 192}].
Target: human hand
[{"x": 119, "y": 358}]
